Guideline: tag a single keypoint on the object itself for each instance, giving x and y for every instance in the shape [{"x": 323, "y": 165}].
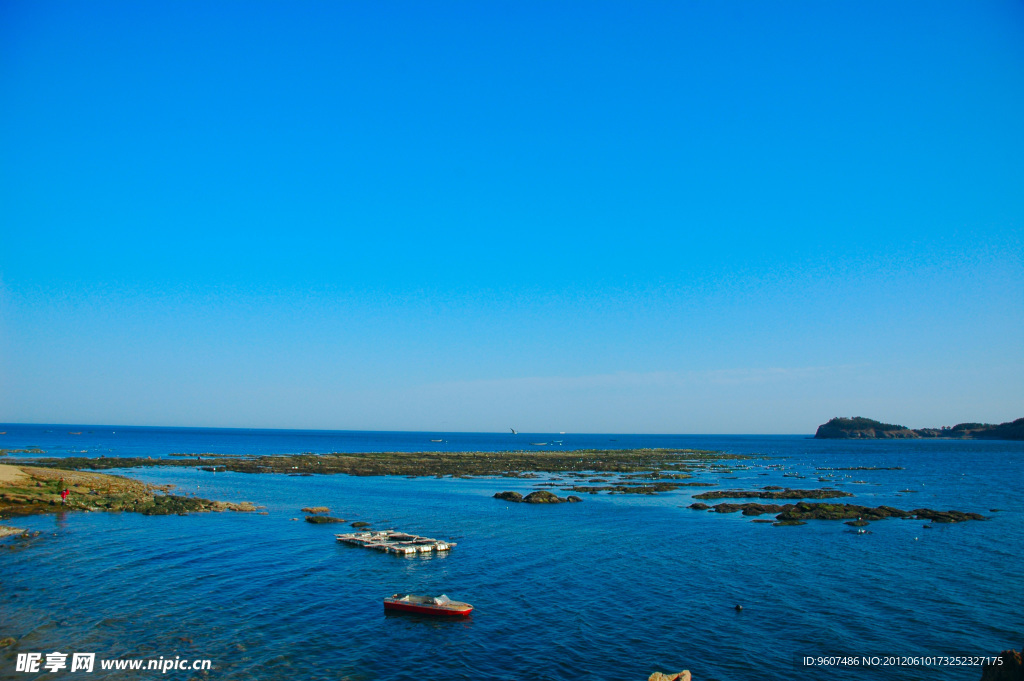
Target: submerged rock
[{"x": 573, "y": 499}]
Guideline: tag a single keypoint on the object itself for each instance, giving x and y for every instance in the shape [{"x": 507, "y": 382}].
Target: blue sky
[{"x": 594, "y": 217}]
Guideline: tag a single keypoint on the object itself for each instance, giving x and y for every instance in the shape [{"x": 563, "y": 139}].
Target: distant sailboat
[{"x": 514, "y": 431}]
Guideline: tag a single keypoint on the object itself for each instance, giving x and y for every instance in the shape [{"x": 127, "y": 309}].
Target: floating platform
[{"x": 392, "y": 541}]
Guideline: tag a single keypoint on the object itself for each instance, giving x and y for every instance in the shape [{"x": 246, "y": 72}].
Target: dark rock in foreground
[
  {"x": 509, "y": 496},
  {"x": 1009, "y": 668}
]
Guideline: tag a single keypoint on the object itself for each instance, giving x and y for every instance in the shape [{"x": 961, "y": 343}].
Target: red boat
[{"x": 428, "y": 605}]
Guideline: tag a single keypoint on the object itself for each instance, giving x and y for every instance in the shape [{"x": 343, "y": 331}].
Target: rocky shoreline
[{"x": 30, "y": 490}]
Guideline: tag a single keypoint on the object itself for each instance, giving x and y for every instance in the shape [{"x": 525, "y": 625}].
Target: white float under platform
[{"x": 392, "y": 541}]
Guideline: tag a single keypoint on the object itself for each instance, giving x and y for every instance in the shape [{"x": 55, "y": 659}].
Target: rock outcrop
[
  {"x": 661, "y": 676},
  {"x": 1009, "y": 668},
  {"x": 811, "y": 511},
  {"x": 541, "y": 496},
  {"x": 30, "y": 490},
  {"x": 323, "y": 519}
]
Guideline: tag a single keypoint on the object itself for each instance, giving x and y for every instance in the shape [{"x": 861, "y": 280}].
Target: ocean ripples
[{"x": 613, "y": 588}]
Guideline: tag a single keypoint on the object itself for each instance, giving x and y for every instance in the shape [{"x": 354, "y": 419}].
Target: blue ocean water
[{"x": 613, "y": 588}]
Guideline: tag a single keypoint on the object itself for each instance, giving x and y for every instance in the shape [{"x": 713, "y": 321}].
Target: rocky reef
[
  {"x": 670, "y": 463},
  {"x": 30, "y": 450},
  {"x": 769, "y": 493},
  {"x": 538, "y": 497},
  {"x": 860, "y": 428},
  {"x": 27, "y": 490},
  {"x": 819, "y": 511},
  {"x": 644, "y": 488}
]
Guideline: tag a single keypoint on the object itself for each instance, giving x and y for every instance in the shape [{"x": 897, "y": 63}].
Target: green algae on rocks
[
  {"x": 538, "y": 497},
  {"x": 815, "y": 511},
  {"x": 29, "y": 490},
  {"x": 671, "y": 463},
  {"x": 323, "y": 519}
]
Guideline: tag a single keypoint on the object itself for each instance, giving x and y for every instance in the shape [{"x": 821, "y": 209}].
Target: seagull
[{"x": 513, "y": 431}]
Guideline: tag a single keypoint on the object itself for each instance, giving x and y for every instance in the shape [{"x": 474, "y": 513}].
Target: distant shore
[{"x": 860, "y": 428}]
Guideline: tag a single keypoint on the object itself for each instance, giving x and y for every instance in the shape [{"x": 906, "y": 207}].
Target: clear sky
[{"x": 676, "y": 217}]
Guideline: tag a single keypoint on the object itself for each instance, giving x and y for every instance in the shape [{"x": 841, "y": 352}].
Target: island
[{"x": 860, "y": 428}]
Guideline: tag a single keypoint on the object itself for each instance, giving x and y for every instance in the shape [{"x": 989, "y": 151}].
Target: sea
[{"x": 616, "y": 587}]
